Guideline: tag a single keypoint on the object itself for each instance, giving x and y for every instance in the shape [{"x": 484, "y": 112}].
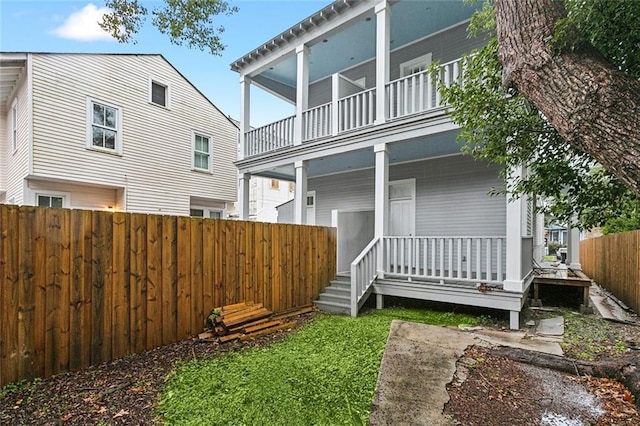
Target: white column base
[
  {"x": 513, "y": 285},
  {"x": 379, "y": 301},
  {"x": 514, "y": 320}
]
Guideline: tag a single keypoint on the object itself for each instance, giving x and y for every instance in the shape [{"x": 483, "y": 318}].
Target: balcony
[{"x": 353, "y": 107}]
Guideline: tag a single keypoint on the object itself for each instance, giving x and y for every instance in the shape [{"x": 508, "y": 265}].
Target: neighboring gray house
[
  {"x": 112, "y": 132},
  {"x": 372, "y": 151}
]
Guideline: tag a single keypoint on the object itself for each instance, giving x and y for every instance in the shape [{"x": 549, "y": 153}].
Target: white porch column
[
  {"x": 513, "y": 278},
  {"x": 573, "y": 248},
  {"x": 335, "y": 97},
  {"x": 300, "y": 195},
  {"x": 381, "y": 199},
  {"x": 383, "y": 31},
  {"x": 302, "y": 90},
  {"x": 245, "y": 114},
  {"x": 243, "y": 195}
]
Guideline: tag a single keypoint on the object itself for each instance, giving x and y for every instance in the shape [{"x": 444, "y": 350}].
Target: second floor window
[
  {"x": 201, "y": 152},
  {"x": 104, "y": 127},
  {"x": 159, "y": 94}
]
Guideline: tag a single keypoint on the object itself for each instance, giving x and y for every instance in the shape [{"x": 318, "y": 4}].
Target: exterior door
[{"x": 402, "y": 207}]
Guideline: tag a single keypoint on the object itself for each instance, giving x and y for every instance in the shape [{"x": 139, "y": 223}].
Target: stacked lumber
[{"x": 248, "y": 320}]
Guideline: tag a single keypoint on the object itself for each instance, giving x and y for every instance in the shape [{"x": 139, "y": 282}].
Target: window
[
  {"x": 210, "y": 213},
  {"x": 104, "y": 127},
  {"x": 416, "y": 65},
  {"x": 50, "y": 200},
  {"x": 292, "y": 186},
  {"x": 201, "y": 152},
  {"x": 275, "y": 184},
  {"x": 159, "y": 94},
  {"x": 14, "y": 125}
]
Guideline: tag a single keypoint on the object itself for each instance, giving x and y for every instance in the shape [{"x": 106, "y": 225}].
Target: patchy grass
[
  {"x": 590, "y": 337},
  {"x": 324, "y": 373}
]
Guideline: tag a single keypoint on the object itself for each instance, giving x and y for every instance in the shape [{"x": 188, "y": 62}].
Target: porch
[{"x": 352, "y": 107}]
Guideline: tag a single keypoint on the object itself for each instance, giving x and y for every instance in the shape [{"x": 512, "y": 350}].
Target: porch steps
[{"x": 337, "y": 296}]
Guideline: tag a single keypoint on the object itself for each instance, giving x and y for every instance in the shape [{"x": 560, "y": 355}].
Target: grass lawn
[{"x": 323, "y": 374}]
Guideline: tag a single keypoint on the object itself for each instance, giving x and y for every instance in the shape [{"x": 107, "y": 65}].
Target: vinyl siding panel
[
  {"x": 15, "y": 165},
  {"x": 155, "y": 168},
  {"x": 444, "y": 47},
  {"x": 80, "y": 196},
  {"x": 451, "y": 196}
]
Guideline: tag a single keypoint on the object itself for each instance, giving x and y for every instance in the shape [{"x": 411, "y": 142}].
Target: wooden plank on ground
[
  {"x": 259, "y": 314},
  {"x": 121, "y": 341},
  {"x": 257, "y": 327},
  {"x": 229, "y": 337},
  {"x": 294, "y": 312},
  {"x": 267, "y": 331}
]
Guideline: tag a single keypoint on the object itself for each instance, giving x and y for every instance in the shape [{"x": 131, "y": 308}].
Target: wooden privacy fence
[
  {"x": 613, "y": 261},
  {"x": 81, "y": 287}
]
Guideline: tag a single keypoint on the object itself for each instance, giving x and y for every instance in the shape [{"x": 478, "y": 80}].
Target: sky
[{"x": 71, "y": 26}]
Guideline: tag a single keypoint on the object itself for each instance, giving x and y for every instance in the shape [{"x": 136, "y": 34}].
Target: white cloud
[{"x": 83, "y": 25}]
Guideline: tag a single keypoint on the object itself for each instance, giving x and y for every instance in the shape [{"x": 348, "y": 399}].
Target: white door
[
  {"x": 311, "y": 208},
  {"x": 402, "y": 207}
]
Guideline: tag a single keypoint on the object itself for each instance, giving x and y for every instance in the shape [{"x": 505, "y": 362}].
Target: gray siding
[
  {"x": 285, "y": 212},
  {"x": 444, "y": 47},
  {"x": 451, "y": 196},
  {"x": 156, "y": 162}
]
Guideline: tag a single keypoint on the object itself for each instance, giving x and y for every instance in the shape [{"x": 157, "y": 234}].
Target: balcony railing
[
  {"x": 270, "y": 137},
  {"x": 414, "y": 94}
]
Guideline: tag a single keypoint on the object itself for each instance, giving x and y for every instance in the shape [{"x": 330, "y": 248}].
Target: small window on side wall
[
  {"x": 104, "y": 126},
  {"x": 159, "y": 94},
  {"x": 50, "y": 201},
  {"x": 201, "y": 152}
]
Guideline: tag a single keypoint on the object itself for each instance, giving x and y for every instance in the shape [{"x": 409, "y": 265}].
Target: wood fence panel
[
  {"x": 184, "y": 299},
  {"x": 153, "y": 312},
  {"x": 26, "y": 320},
  {"x": 197, "y": 293},
  {"x": 81, "y": 287},
  {"x": 613, "y": 261},
  {"x": 169, "y": 280},
  {"x": 10, "y": 295},
  {"x": 121, "y": 338}
]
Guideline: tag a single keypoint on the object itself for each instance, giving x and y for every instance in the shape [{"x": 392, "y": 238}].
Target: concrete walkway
[{"x": 420, "y": 360}]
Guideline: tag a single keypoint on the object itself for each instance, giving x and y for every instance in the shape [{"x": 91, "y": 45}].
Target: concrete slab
[
  {"x": 551, "y": 326},
  {"x": 419, "y": 360}
]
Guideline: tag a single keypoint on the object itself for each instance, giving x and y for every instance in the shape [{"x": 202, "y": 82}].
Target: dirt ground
[{"x": 487, "y": 390}]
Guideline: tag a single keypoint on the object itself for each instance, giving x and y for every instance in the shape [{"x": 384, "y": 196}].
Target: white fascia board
[{"x": 318, "y": 32}]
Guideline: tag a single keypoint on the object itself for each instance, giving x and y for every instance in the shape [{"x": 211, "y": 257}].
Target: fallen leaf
[
  {"x": 66, "y": 417},
  {"x": 102, "y": 410},
  {"x": 120, "y": 413}
]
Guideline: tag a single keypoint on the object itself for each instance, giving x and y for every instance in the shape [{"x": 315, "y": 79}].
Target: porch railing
[
  {"x": 317, "y": 122},
  {"x": 364, "y": 271},
  {"x": 420, "y": 92},
  {"x": 357, "y": 110},
  {"x": 473, "y": 259},
  {"x": 270, "y": 137}
]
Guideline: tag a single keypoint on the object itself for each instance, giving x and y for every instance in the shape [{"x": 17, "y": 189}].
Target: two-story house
[
  {"x": 372, "y": 151},
  {"x": 124, "y": 132}
]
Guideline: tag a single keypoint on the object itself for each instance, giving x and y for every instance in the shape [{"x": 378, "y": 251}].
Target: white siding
[
  {"x": 81, "y": 197},
  {"x": 156, "y": 163},
  {"x": 451, "y": 195},
  {"x": 15, "y": 165}
]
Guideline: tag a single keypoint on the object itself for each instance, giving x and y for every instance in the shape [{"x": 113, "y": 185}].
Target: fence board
[
  {"x": 613, "y": 261},
  {"x": 79, "y": 287}
]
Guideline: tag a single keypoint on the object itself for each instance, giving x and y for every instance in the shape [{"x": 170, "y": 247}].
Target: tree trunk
[
  {"x": 593, "y": 106},
  {"x": 622, "y": 369}
]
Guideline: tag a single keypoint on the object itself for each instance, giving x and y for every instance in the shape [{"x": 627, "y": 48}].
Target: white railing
[
  {"x": 317, "y": 122},
  {"x": 420, "y": 92},
  {"x": 270, "y": 137},
  {"x": 364, "y": 271},
  {"x": 357, "y": 110},
  {"x": 475, "y": 259}
]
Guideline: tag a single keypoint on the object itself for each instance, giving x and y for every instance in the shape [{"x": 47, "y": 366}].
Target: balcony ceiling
[
  {"x": 11, "y": 68},
  {"x": 433, "y": 146},
  {"x": 410, "y": 21}
]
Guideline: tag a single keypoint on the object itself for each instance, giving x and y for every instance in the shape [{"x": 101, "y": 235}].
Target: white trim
[
  {"x": 89, "y": 123},
  {"x": 167, "y": 92},
  {"x": 66, "y": 196},
  {"x": 30, "y": 113},
  {"x": 13, "y": 117},
  {"x": 209, "y": 168}
]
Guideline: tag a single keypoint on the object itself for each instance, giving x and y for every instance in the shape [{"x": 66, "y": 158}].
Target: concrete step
[
  {"x": 337, "y": 308},
  {"x": 340, "y": 284},
  {"x": 336, "y": 298},
  {"x": 339, "y": 291},
  {"x": 343, "y": 278}
]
